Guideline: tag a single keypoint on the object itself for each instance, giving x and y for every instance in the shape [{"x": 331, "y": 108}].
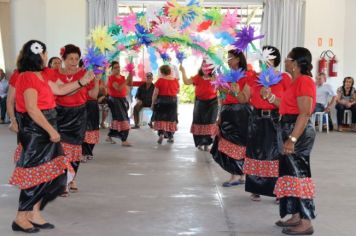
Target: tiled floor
[{"x": 175, "y": 189}]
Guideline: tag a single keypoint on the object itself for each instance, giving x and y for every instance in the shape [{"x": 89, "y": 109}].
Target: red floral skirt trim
[
  {"x": 120, "y": 125},
  {"x": 261, "y": 168},
  {"x": 167, "y": 126},
  {"x": 17, "y": 154},
  {"x": 203, "y": 129},
  {"x": 73, "y": 152},
  {"x": 92, "y": 137},
  {"x": 289, "y": 186},
  {"x": 26, "y": 178},
  {"x": 232, "y": 150}
]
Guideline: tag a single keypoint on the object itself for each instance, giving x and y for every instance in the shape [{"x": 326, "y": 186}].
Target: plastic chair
[
  {"x": 347, "y": 117},
  {"x": 145, "y": 115},
  {"x": 320, "y": 115}
]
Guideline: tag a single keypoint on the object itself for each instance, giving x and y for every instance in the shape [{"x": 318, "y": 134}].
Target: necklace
[{"x": 69, "y": 79}]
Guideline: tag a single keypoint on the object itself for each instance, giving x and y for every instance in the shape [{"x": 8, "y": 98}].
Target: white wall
[
  {"x": 54, "y": 22},
  {"x": 350, "y": 40},
  {"x": 326, "y": 19},
  {"x": 66, "y": 22},
  {"x": 27, "y": 22}
]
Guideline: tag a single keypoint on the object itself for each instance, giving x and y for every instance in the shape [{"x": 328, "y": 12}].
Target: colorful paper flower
[
  {"x": 165, "y": 56},
  {"x": 183, "y": 16},
  {"x": 130, "y": 68},
  {"x": 127, "y": 22},
  {"x": 233, "y": 76},
  {"x": 214, "y": 15},
  {"x": 244, "y": 37},
  {"x": 144, "y": 37},
  {"x": 230, "y": 21},
  {"x": 95, "y": 61},
  {"x": 269, "y": 77},
  {"x": 180, "y": 56},
  {"x": 101, "y": 39}
]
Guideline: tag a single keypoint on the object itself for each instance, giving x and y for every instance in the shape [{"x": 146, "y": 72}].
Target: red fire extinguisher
[
  {"x": 328, "y": 63},
  {"x": 323, "y": 64},
  {"x": 333, "y": 67}
]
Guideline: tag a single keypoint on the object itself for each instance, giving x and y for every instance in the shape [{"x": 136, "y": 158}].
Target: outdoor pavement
[{"x": 175, "y": 189}]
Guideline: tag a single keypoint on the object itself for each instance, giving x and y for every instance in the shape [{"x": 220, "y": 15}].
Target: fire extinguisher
[
  {"x": 323, "y": 63},
  {"x": 333, "y": 67},
  {"x": 328, "y": 64}
]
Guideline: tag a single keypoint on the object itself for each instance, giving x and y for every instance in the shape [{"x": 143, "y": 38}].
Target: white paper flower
[
  {"x": 36, "y": 48},
  {"x": 266, "y": 55},
  {"x": 165, "y": 29}
]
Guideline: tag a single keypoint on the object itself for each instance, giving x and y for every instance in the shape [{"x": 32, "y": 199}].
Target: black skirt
[
  {"x": 72, "y": 123},
  {"x": 204, "y": 121},
  {"x": 92, "y": 129},
  {"x": 295, "y": 187},
  {"x": 229, "y": 147},
  {"x": 262, "y": 152},
  {"x": 165, "y": 115},
  {"x": 120, "y": 124},
  {"x": 40, "y": 171}
]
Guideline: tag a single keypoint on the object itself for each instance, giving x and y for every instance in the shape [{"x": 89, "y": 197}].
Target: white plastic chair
[
  {"x": 320, "y": 115},
  {"x": 145, "y": 115}
]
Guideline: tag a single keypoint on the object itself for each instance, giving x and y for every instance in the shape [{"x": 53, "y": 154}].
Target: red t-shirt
[
  {"x": 203, "y": 88},
  {"x": 302, "y": 86},
  {"x": 45, "y": 97},
  {"x": 89, "y": 87},
  {"x": 13, "y": 78},
  {"x": 232, "y": 99},
  {"x": 78, "y": 97},
  {"x": 167, "y": 87},
  {"x": 112, "y": 91},
  {"x": 278, "y": 90}
]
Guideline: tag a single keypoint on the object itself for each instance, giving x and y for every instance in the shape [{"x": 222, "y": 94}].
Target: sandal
[
  {"x": 110, "y": 140},
  {"x": 126, "y": 144},
  {"x": 255, "y": 197},
  {"x": 64, "y": 194},
  {"x": 72, "y": 189}
]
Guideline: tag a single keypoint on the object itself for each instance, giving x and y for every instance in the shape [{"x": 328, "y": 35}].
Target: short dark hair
[
  {"x": 51, "y": 60},
  {"x": 303, "y": 58},
  {"x": 242, "y": 59},
  {"x": 276, "y": 53},
  {"x": 165, "y": 70},
  {"x": 113, "y": 63},
  {"x": 28, "y": 60},
  {"x": 68, "y": 49}
]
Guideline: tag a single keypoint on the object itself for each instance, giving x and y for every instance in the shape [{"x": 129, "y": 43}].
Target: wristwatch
[{"x": 293, "y": 139}]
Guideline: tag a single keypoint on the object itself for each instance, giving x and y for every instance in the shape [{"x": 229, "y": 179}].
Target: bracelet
[
  {"x": 272, "y": 98},
  {"x": 80, "y": 84}
]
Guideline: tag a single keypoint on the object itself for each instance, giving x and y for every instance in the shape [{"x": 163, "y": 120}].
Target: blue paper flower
[
  {"x": 95, "y": 61},
  {"x": 180, "y": 56},
  {"x": 245, "y": 36},
  {"x": 225, "y": 37},
  {"x": 165, "y": 56},
  {"x": 269, "y": 77},
  {"x": 143, "y": 36},
  {"x": 233, "y": 76}
]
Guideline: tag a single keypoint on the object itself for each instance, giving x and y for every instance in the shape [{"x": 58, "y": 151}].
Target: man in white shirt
[{"x": 324, "y": 92}]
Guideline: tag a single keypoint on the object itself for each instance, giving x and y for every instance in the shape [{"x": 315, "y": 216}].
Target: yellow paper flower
[{"x": 102, "y": 39}]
